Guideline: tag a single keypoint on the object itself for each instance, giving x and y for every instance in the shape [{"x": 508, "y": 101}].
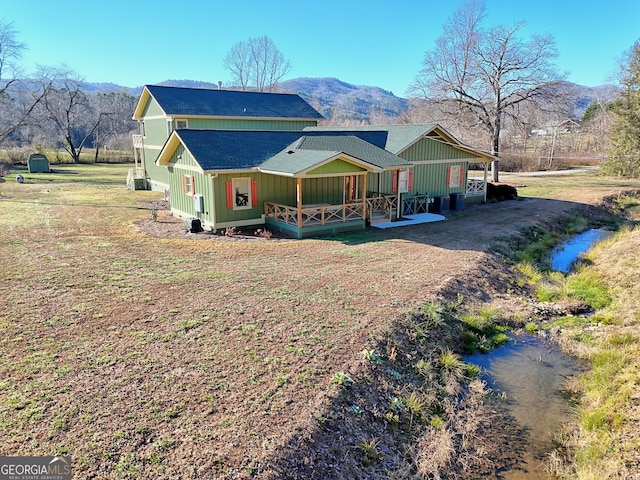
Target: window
[
  {"x": 403, "y": 181},
  {"x": 455, "y": 176},
  {"x": 188, "y": 184},
  {"x": 181, "y": 124},
  {"x": 242, "y": 194}
]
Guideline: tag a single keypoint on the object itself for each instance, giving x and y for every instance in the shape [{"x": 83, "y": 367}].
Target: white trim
[
  {"x": 153, "y": 117},
  {"x": 187, "y": 168},
  {"x": 453, "y": 160}
]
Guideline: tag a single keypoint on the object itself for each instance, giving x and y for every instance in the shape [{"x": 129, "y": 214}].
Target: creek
[
  {"x": 564, "y": 256},
  {"x": 527, "y": 377}
]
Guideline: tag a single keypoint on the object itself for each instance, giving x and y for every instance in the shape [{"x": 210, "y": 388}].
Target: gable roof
[
  {"x": 178, "y": 101},
  {"x": 311, "y": 150},
  {"x": 224, "y": 150},
  {"x": 401, "y": 137}
]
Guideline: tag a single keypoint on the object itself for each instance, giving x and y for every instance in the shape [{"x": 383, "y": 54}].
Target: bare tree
[
  {"x": 114, "y": 110},
  {"x": 15, "y": 103},
  {"x": 256, "y": 64},
  {"x": 10, "y": 48},
  {"x": 65, "y": 112},
  {"x": 486, "y": 72}
]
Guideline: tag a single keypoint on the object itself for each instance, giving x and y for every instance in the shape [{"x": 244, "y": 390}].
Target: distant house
[
  {"x": 565, "y": 126},
  {"x": 234, "y": 159}
]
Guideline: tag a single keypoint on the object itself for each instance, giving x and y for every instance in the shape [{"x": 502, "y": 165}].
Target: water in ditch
[
  {"x": 564, "y": 256},
  {"x": 527, "y": 378}
]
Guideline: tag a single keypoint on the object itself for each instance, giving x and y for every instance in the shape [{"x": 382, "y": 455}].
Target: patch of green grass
[
  {"x": 369, "y": 451},
  {"x": 587, "y": 286},
  {"x": 342, "y": 379}
]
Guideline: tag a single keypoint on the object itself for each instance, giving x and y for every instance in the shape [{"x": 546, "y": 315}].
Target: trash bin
[
  {"x": 457, "y": 201},
  {"x": 441, "y": 204}
]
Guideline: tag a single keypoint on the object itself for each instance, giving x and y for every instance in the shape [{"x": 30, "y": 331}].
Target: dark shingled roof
[
  {"x": 229, "y": 103},
  {"x": 234, "y": 149}
]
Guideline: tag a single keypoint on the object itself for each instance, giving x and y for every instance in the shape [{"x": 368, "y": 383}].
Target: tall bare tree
[
  {"x": 256, "y": 64},
  {"x": 486, "y": 72},
  {"x": 15, "y": 103},
  {"x": 66, "y": 112},
  {"x": 115, "y": 109}
]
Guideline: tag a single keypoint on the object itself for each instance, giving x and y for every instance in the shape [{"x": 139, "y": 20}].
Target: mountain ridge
[{"x": 345, "y": 103}]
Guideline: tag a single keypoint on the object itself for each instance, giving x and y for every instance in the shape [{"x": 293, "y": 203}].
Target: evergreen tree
[{"x": 624, "y": 153}]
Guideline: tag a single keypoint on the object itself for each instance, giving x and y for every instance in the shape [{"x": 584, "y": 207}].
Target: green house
[
  {"x": 161, "y": 110},
  {"x": 277, "y": 167}
]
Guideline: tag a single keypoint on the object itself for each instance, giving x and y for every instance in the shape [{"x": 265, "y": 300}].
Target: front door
[{"x": 350, "y": 188}]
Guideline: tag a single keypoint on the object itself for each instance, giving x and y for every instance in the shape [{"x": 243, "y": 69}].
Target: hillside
[{"x": 344, "y": 103}]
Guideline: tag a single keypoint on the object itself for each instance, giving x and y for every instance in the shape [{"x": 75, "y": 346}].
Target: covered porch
[{"x": 307, "y": 220}]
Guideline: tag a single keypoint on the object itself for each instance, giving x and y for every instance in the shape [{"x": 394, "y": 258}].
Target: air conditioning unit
[{"x": 198, "y": 203}]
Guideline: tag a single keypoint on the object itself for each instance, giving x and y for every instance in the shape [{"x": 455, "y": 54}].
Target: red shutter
[
  {"x": 254, "y": 193},
  {"x": 462, "y": 176},
  {"x": 448, "y": 177},
  {"x": 229, "y": 195},
  {"x": 411, "y": 180},
  {"x": 394, "y": 186}
]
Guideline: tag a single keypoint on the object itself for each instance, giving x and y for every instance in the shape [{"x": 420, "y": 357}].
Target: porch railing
[
  {"x": 476, "y": 186},
  {"x": 314, "y": 214},
  {"x": 378, "y": 203},
  {"x": 415, "y": 205}
]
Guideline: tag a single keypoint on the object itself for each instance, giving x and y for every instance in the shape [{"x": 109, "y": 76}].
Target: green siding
[
  {"x": 276, "y": 189},
  {"x": 184, "y": 203},
  {"x": 246, "y": 124},
  {"x": 323, "y": 190},
  {"x": 156, "y": 134},
  {"x": 431, "y": 179},
  {"x": 427, "y": 149},
  {"x": 336, "y": 167},
  {"x": 152, "y": 108}
]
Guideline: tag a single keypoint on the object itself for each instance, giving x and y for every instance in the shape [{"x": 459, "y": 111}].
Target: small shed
[{"x": 38, "y": 163}]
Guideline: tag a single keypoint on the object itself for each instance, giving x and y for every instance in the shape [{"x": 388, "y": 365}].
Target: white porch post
[
  {"x": 299, "y": 200},
  {"x": 484, "y": 186},
  {"x": 364, "y": 196}
]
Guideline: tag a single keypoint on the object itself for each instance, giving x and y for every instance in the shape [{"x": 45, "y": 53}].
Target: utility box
[
  {"x": 198, "y": 203},
  {"x": 441, "y": 204},
  {"x": 456, "y": 201},
  {"x": 38, "y": 163}
]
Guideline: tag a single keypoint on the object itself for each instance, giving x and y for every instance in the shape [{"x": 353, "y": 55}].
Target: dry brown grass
[{"x": 145, "y": 356}]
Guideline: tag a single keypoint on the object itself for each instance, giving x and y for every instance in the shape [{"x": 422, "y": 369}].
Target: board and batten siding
[
  {"x": 182, "y": 203},
  {"x": 201, "y": 123},
  {"x": 432, "y": 160},
  {"x": 156, "y": 134}
]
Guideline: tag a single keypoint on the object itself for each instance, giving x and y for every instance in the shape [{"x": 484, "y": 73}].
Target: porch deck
[{"x": 410, "y": 220}]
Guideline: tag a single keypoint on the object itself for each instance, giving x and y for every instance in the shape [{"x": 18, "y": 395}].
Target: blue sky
[{"x": 363, "y": 42}]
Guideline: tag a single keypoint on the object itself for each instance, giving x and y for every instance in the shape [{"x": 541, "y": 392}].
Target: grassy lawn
[{"x": 147, "y": 357}]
